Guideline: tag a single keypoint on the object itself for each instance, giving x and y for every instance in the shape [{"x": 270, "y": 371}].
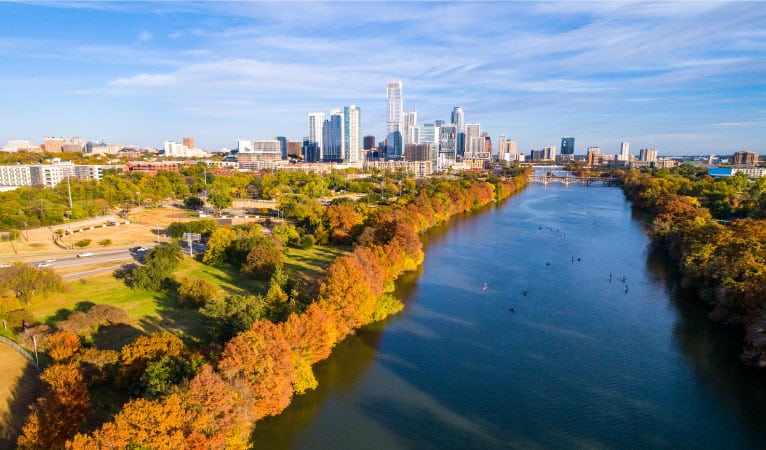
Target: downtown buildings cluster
[{"x": 335, "y": 140}]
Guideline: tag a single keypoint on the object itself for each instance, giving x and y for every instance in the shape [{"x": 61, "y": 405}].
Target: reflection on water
[{"x": 583, "y": 337}]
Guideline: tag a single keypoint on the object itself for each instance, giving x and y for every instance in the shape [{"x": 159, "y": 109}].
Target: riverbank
[
  {"x": 261, "y": 369},
  {"x": 723, "y": 260}
]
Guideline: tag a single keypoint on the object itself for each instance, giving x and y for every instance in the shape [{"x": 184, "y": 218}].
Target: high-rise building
[
  {"x": 648, "y": 154},
  {"x": 429, "y": 134},
  {"x": 282, "y": 146},
  {"x": 394, "y": 120},
  {"x": 447, "y": 146},
  {"x": 745, "y": 158},
  {"x": 474, "y": 143},
  {"x": 188, "y": 142},
  {"x": 458, "y": 118},
  {"x": 487, "y": 146},
  {"x": 508, "y": 150},
  {"x": 294, "y": 149},
  {"x": 567, "y": 145},
  {"x": 624, "y": 152},
  {"x": 410, "y": 122},
  {"x": 369, "y": 143},
  {"x": 332, "y": 137},
  {"x": 352, "y": 138},
  {"x": 316, "y": 122}
]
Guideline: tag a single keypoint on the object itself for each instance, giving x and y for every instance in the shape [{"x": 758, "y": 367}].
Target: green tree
[
  {"x": 231, "y": 315},
  {"x": 263, "y": 260}
]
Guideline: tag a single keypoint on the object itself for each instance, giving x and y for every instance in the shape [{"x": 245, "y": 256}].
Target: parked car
[{"x": 85, "y": 255}]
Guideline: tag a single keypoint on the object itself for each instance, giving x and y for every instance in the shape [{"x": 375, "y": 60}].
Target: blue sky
[{"x": 683, "y": 77}]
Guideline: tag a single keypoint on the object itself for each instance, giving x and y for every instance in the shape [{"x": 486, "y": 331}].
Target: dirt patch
[{"x": 19, "y": 386}]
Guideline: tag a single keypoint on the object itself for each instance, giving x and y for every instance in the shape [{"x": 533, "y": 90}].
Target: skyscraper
[
  {"x": 567, "y": 145},
  {"x": 352, "y": 138},
  {"x": 624, "y": 152},
  {"x": 447, "y": 146},
  {"x": 458, "y": 118},
  {"x": 332, "y": 137},
  {"x": 474, "y": 143},
  {"x": 394, "y": 120},
  {"x": 316, "y": 122},
  {"x": 410, "y": 125}
]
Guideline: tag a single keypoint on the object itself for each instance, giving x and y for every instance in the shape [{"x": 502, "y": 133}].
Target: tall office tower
[
  {"x": 282, "y": 146},
  {"x": 447, "y": 146},
  {"x": 429, "y": 134},
  {"x": 438, "y": 123},
  {"x": 500, "y": 143},
  {"x": 458, "y": 118},
  {"x": 567, "y": 146},
  {"x": 316, "y": 122},
  {"x": 410, "y": 123},
  {"x": 189, "y": 142},
  {"x": 473, "y": 141},
  {"x": 332, "y": 137},
  {"x": 352, "y": 138},
  {"x": 369, "y": 143},
  {"x": 745, "y": 158},
  {"x": 648, "y": 154},
  {"x": 508, "y": 151},
  {"x": 394, "y": 121},
  {"x": 487, "y": 145},
  {"x": 624, "y": 152}
]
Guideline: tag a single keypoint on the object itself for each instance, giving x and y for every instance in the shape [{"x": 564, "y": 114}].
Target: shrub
[
  {"x": 105, "y": 242},
  {"x": 307, "y": 241},
  {"x": 263, "y": 260},
  {"x": 196, "y": 291},
  {"x": 83, "y": 243}
]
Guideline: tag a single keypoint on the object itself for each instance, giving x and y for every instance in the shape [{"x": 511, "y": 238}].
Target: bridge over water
[{"x": 567, "y": 180}]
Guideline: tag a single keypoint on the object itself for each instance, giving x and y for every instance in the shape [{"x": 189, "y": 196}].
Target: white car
[
  {"x": 44, "y": 264},
  {"x": 5, "y": 265},
  {"x": 85, "y": 255},
  {"x": 142, "y": 249}
]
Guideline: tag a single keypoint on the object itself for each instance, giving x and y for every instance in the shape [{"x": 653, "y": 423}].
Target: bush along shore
[
  {"x": 184, "y": 398},
  {"x": 716, "y": 233}
]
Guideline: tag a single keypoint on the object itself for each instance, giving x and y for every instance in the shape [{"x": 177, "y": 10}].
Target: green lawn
[{"x": 160, "y": 311}]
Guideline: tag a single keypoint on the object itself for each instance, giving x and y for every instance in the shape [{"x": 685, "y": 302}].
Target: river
[{"x": 579, "y": 361}]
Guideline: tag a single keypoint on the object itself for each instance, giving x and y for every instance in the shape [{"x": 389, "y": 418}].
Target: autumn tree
[
  {"x": 344, "y": 222},
  {"x": 135, "y": 356},
  {"x": 259, "y": 362},
  {"x": 57, "y": 415},
  {"x": 63, "y": 345}
]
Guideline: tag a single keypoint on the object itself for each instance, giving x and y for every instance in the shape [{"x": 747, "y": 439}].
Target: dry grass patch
[{"x": 19, "y": 387}]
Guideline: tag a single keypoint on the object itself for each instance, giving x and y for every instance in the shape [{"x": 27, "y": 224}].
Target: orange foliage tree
[
  {"x": 259, "y": 364},
  {"x": 56, "y": 416},
  {"x": 63, "y": 345}
]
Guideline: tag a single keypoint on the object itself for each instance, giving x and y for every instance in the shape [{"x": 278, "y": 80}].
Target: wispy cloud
[{"x": 615, "y": 69}]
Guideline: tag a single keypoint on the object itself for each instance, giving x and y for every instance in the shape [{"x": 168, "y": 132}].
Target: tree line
[
  {"x": 210, "y": 398},
  {"x": 715, "y": 230}
]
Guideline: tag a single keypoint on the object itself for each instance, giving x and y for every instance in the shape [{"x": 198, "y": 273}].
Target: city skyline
[{"x": 685, "y": 78}]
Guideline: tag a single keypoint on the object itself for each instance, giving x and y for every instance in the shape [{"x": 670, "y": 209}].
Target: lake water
[{"x": 579, "y": 362}]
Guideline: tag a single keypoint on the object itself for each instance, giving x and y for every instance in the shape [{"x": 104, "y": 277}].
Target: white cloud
[{"x": 145, "y": 36}]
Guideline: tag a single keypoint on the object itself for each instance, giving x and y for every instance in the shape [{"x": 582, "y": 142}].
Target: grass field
[{"x": 160, "y": 311}]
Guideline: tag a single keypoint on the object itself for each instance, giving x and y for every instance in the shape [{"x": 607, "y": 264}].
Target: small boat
[{"x": 484, "y": 288}]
